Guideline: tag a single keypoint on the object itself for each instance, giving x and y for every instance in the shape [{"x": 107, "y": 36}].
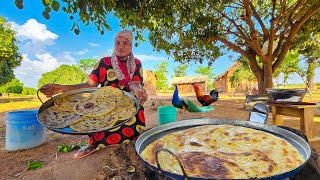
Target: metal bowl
[
  {"x": 277, "y": 94},
  {"x": 68, "y": 130}
]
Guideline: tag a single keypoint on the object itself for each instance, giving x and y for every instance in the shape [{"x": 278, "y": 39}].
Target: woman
[{"x": 123, "y": 71}]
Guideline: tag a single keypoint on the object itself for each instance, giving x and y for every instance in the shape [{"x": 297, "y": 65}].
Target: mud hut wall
[
  {"x": 185, "y": 88},
  {"x": 188, "y": 87},
  {"x": 148, "y": 75},
  {"x": 202, "y": 86},
  {"x": 222, "y": 83}
]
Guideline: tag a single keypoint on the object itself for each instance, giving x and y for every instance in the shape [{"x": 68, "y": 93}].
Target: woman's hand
[
  {"x": 52, "y": 89},
  {"x": 139, "y": 92}
]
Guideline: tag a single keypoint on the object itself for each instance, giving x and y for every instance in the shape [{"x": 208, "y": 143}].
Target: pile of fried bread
[
  {"x": 224, "y": 152},
  {"x": 89, "y": 111}
]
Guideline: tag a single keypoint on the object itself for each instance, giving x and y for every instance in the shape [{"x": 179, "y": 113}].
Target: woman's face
[{"x": 122, "y": 47}]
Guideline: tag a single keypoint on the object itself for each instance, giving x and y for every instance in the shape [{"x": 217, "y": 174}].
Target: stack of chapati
[{"x": 89, "y": 112}]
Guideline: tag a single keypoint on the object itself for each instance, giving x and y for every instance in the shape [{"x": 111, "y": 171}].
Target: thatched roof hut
[
  {"x": 222, "y": 81},
  {"x": 185, "y": 83}
]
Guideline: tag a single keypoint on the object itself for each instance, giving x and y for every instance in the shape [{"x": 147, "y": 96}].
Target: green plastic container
[{"x": 166, "y": 114}]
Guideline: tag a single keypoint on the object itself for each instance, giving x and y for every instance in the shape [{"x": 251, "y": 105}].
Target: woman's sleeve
[
  {"x": 95, "y": 74},
  {"x": 138, "y": 73}
]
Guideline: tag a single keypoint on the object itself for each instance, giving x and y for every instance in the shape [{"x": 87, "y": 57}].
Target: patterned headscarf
[
  {"x": 131, "y": 65},
  {"x": 125, "y": 33}
]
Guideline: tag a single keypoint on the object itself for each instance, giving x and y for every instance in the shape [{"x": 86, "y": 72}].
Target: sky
[{"x": 47, "y": 44}]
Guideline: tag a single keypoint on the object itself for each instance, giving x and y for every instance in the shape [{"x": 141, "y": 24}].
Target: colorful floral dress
[{"x": 105, "y": 75}]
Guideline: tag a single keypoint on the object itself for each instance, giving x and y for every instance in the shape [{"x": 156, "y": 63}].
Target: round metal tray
[
  {"x": 67, "y": 130},
  {"x": 153, "y": 134}
]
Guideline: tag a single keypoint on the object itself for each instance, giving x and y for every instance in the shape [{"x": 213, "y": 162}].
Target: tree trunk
[
  {"x": 310, "y": 74},
  {"x": 267, "y": 68},
  {"x": 264, "y": 75},
  {"x": 234, "y": 90}
]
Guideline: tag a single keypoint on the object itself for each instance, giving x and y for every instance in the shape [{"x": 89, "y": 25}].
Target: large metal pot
[{"x": 155, "y": 133}]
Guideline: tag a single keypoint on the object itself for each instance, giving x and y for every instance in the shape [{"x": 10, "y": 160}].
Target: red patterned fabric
[
  {"x": 94, "y": 78},
  {"x": 104, "y": 75},
  {"x": 113, "y": 138},
  {"x": 128, "y": 132}
]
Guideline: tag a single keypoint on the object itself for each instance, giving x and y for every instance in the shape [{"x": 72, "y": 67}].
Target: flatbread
[
  {"x": 92, "y": 124},
  {"x": 95, "y": 107},
  {"x": 125, "y": 113},
  {"x": 57, "y": 118},
  {"x": 224, "y": 152},
  {"x": 124, "y": 101},
  {"x": 68, "y": 101},
  {"x": 107, "y": 91}
]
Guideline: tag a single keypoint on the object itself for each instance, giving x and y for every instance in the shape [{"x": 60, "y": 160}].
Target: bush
[{"x": 29, "y": 91}]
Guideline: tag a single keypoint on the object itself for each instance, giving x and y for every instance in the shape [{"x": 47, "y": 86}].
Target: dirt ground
[{"x": 59, "y": 165}]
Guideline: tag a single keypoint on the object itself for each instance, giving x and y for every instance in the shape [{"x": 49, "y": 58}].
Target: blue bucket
[
  {"x": 23, "y": 130},
  {"x": 166, "y": 114}
]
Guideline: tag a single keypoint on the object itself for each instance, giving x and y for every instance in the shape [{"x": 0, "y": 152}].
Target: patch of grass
[{"x": 11, "y": 106}]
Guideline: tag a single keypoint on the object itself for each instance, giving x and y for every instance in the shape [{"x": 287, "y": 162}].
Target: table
[{"x": 302, "y": 110}]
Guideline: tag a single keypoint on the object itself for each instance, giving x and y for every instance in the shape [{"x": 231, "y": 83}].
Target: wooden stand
[{"x": 304, "y": 112}]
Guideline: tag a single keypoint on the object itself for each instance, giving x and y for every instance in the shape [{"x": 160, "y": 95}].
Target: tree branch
[
  {"x": 256, "y": 15},
  {"x": 284, "y": 22},
  {"x": 283, "y": 4},
  {"x": 281, "y": 41},
  {"x": 253, "y": 62},
  {"x": 253, "y": 34},
  {"x": 272, "y": 32},
  {"x": 291, "y": 9},
  {"x": 232, "y": 46},
  {"x": 140, "y": 12},
  {"x": 243, "y": 35},
  {"x": 294, "y": 29}
]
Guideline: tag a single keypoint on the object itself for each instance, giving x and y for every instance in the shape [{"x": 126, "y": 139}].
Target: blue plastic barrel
[
  {"x": 166, "y": 114},
  {"x": 23, "y": 130}
]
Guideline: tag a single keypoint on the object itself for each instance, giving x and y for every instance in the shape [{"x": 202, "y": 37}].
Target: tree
[
  {"x": 161, "y": 73},
  {"x": 208, "y": 71},
  {"x": 87, "y": 65},
  {"x": 29, "y": 91},
  {"x": 65, "y": 74},
  {"x": 180, "y": 70},
  {"x": 14, "y": 86},
  {"x": 9, "y": 55},
  {"x": 196, "y": 30},
  {"x": 243, "y": 76},
  {"x": 307, "y": 44},
  {"x": 289, "y": 66}
]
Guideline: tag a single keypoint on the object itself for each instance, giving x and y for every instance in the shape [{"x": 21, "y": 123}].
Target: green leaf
[
  {"x": 55, "y": 5},
  {"x": 136, "y": 44},
  {"x": 47, "y": 9},
  {"x": 60, "y": 148},
  {"x": 76, "y": 31},
  {"x": 67, "y": 148},
  {"x": 46, "y": 2},
  {"x": 32, "y": 165},
  {"x": 19, "y": 4},
  {"x": 46, "y": 15}
]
